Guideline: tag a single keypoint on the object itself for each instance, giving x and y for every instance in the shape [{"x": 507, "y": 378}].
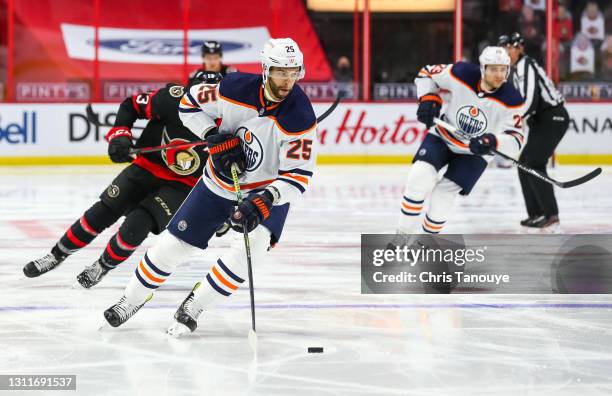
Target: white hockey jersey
[
  {"x": 279, "y": 141},
  {"x": 472, "y": 110}
]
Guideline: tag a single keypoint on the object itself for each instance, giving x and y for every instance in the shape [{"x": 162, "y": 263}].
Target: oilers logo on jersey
[
  {"x": 472, "y": 121},
  {"x": 253, "y": 149}
]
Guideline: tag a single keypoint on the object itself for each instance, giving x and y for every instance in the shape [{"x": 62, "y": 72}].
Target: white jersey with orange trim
[
  {"x": 279, "y": 141},
  {"x": 472, "y": 110}
]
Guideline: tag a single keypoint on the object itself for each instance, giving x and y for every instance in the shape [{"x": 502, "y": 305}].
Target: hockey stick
[
  {"x": 332, "y": 107},
  {"x": 153, "y": 149},
  {"x": 93, "y": 118},
  {"x": 527, "y": 169},
  {"x": 247, "y": 247}
]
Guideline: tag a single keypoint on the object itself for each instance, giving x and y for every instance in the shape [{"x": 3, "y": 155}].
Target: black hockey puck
[{"x": 315, "y": 349}]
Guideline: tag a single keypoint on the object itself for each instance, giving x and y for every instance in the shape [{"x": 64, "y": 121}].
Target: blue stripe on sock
[
  {"x": 413, "y": 201},
  {"x": 434, "y": 222},
  {"x": 410, "y": 214},
  {"x": 430, "y": 232},
  {"x": 144, "y": 283},
  {"x": 230, "y": 273},
  {"x": 214, "y": 286},
  {"x": 154, "y": 268}
]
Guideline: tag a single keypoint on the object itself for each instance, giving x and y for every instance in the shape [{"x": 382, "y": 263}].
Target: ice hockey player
[
  {"x": 212, "y": 60},
  {"x": 269, "y": 131},
  {"x": 148, "y": 192},
  {"x": 485, "y": 108}
]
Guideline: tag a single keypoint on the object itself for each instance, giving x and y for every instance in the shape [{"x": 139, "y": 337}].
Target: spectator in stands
[
  {"x": 509, "y": 12},
  {"x": 582, "y": 59},
  {"x": 608, "y": 18},
  {"x": 343, "y": 71},
  {"x": 592, "y": 24},
  {"x": 564, "y": 32},
  {"x": 532, "y": 26},
  {"x": 536, "y": 5},
  {"x": 606, "y": 60},
  {"x": 564, "y": 26}
]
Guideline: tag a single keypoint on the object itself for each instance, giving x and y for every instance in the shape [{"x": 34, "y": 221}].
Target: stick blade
[
  {"x": 92, "y": 117},
  {"x": 581, "y": 180}
]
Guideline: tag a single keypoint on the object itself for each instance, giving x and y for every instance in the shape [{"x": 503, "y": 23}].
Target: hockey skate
[
  {"x": 44, "y": 264},
  {"x": 544, "y": 225},
  {"x": 119, "y": 313},
  {"x": 92, "y": 274},
  {"x": 186, "y": 316}
]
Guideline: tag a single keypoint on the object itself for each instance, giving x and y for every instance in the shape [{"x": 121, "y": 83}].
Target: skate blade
[
  {"x": 77, "y": 286},
  {"x": 103, "y": 326},
  {"x": 553, "y": 229},
  {"x": 177, "y": 330}
]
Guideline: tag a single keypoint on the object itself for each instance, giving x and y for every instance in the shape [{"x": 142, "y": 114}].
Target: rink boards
[{"x": 353, "y": 133}]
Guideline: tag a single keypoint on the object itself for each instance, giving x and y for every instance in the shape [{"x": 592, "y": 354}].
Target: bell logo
[{"x": 16, "y": 133}]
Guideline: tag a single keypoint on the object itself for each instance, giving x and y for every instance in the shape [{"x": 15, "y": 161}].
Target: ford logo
[{"x": 162, "y": 46}]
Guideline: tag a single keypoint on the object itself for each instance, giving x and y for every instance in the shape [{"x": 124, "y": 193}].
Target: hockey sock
[
  {"x": 230, "y": 271},
  {"x": 131, "y": 234},
  {"x": 95, "y": 220},
  {"x": 440, "y": 206},
  {"x": 156, "y": 266},
  {"x": 411, "y": 209},
  {"x": 421, "y": 179}
]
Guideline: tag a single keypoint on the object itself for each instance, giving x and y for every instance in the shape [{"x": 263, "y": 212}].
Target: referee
[{"x": 547, "y": 120}]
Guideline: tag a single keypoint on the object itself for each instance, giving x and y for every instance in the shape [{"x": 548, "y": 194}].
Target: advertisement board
[{"x": 353, "y": 133}]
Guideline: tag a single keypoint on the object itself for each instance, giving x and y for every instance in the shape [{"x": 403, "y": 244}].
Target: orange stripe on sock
[
  {"x": 433, "y": 227},
  {"x": 222, "y": 279},
  {"x": 417, "y": 208},
  {"x": 149, "y": 275}
]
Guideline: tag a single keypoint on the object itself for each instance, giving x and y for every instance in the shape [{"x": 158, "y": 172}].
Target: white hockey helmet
[
  {"x": 283, "y": 52},
  {"x": 494, "y": 56}
]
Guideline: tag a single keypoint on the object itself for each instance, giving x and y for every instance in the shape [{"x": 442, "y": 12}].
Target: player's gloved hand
[
  {"x": 254, "y": 209},
  {"x": 119, "y": 144},
  {"x": 225, "y": 150},
  {"x": 429, "y": 107},
  {"x": 483, "y": 144}
]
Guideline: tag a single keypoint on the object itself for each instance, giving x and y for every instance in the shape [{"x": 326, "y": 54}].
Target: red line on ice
[{"x": 34, "y": 229}]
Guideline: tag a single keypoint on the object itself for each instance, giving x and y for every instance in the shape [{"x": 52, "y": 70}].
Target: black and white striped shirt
[{"x": 534, "y": 85}]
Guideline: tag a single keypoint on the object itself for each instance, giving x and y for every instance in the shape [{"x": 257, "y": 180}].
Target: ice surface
[{"x": 308, "y": 294}]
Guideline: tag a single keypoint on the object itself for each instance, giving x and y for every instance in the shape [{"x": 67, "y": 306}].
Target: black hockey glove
[
  {"x": 119, "y": 144},
  {"x": 225, "y": 150},
  {"x": 429, "y": 107},
  {"x": 483, "y": 144},
  {"x": 254, "y": 209}
]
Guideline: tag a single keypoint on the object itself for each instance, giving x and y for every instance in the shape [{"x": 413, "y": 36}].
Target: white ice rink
[{"x": 308, "y": 294}]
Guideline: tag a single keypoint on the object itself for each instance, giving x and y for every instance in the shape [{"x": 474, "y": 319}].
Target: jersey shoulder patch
[
  {"x": 296, "y": 115},
  {"x": 467, "y": 73},
  {"x": 241, "y": 87}
]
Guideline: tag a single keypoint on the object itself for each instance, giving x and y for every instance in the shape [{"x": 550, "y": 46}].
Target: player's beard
[{"x": 276, "y": 92}]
